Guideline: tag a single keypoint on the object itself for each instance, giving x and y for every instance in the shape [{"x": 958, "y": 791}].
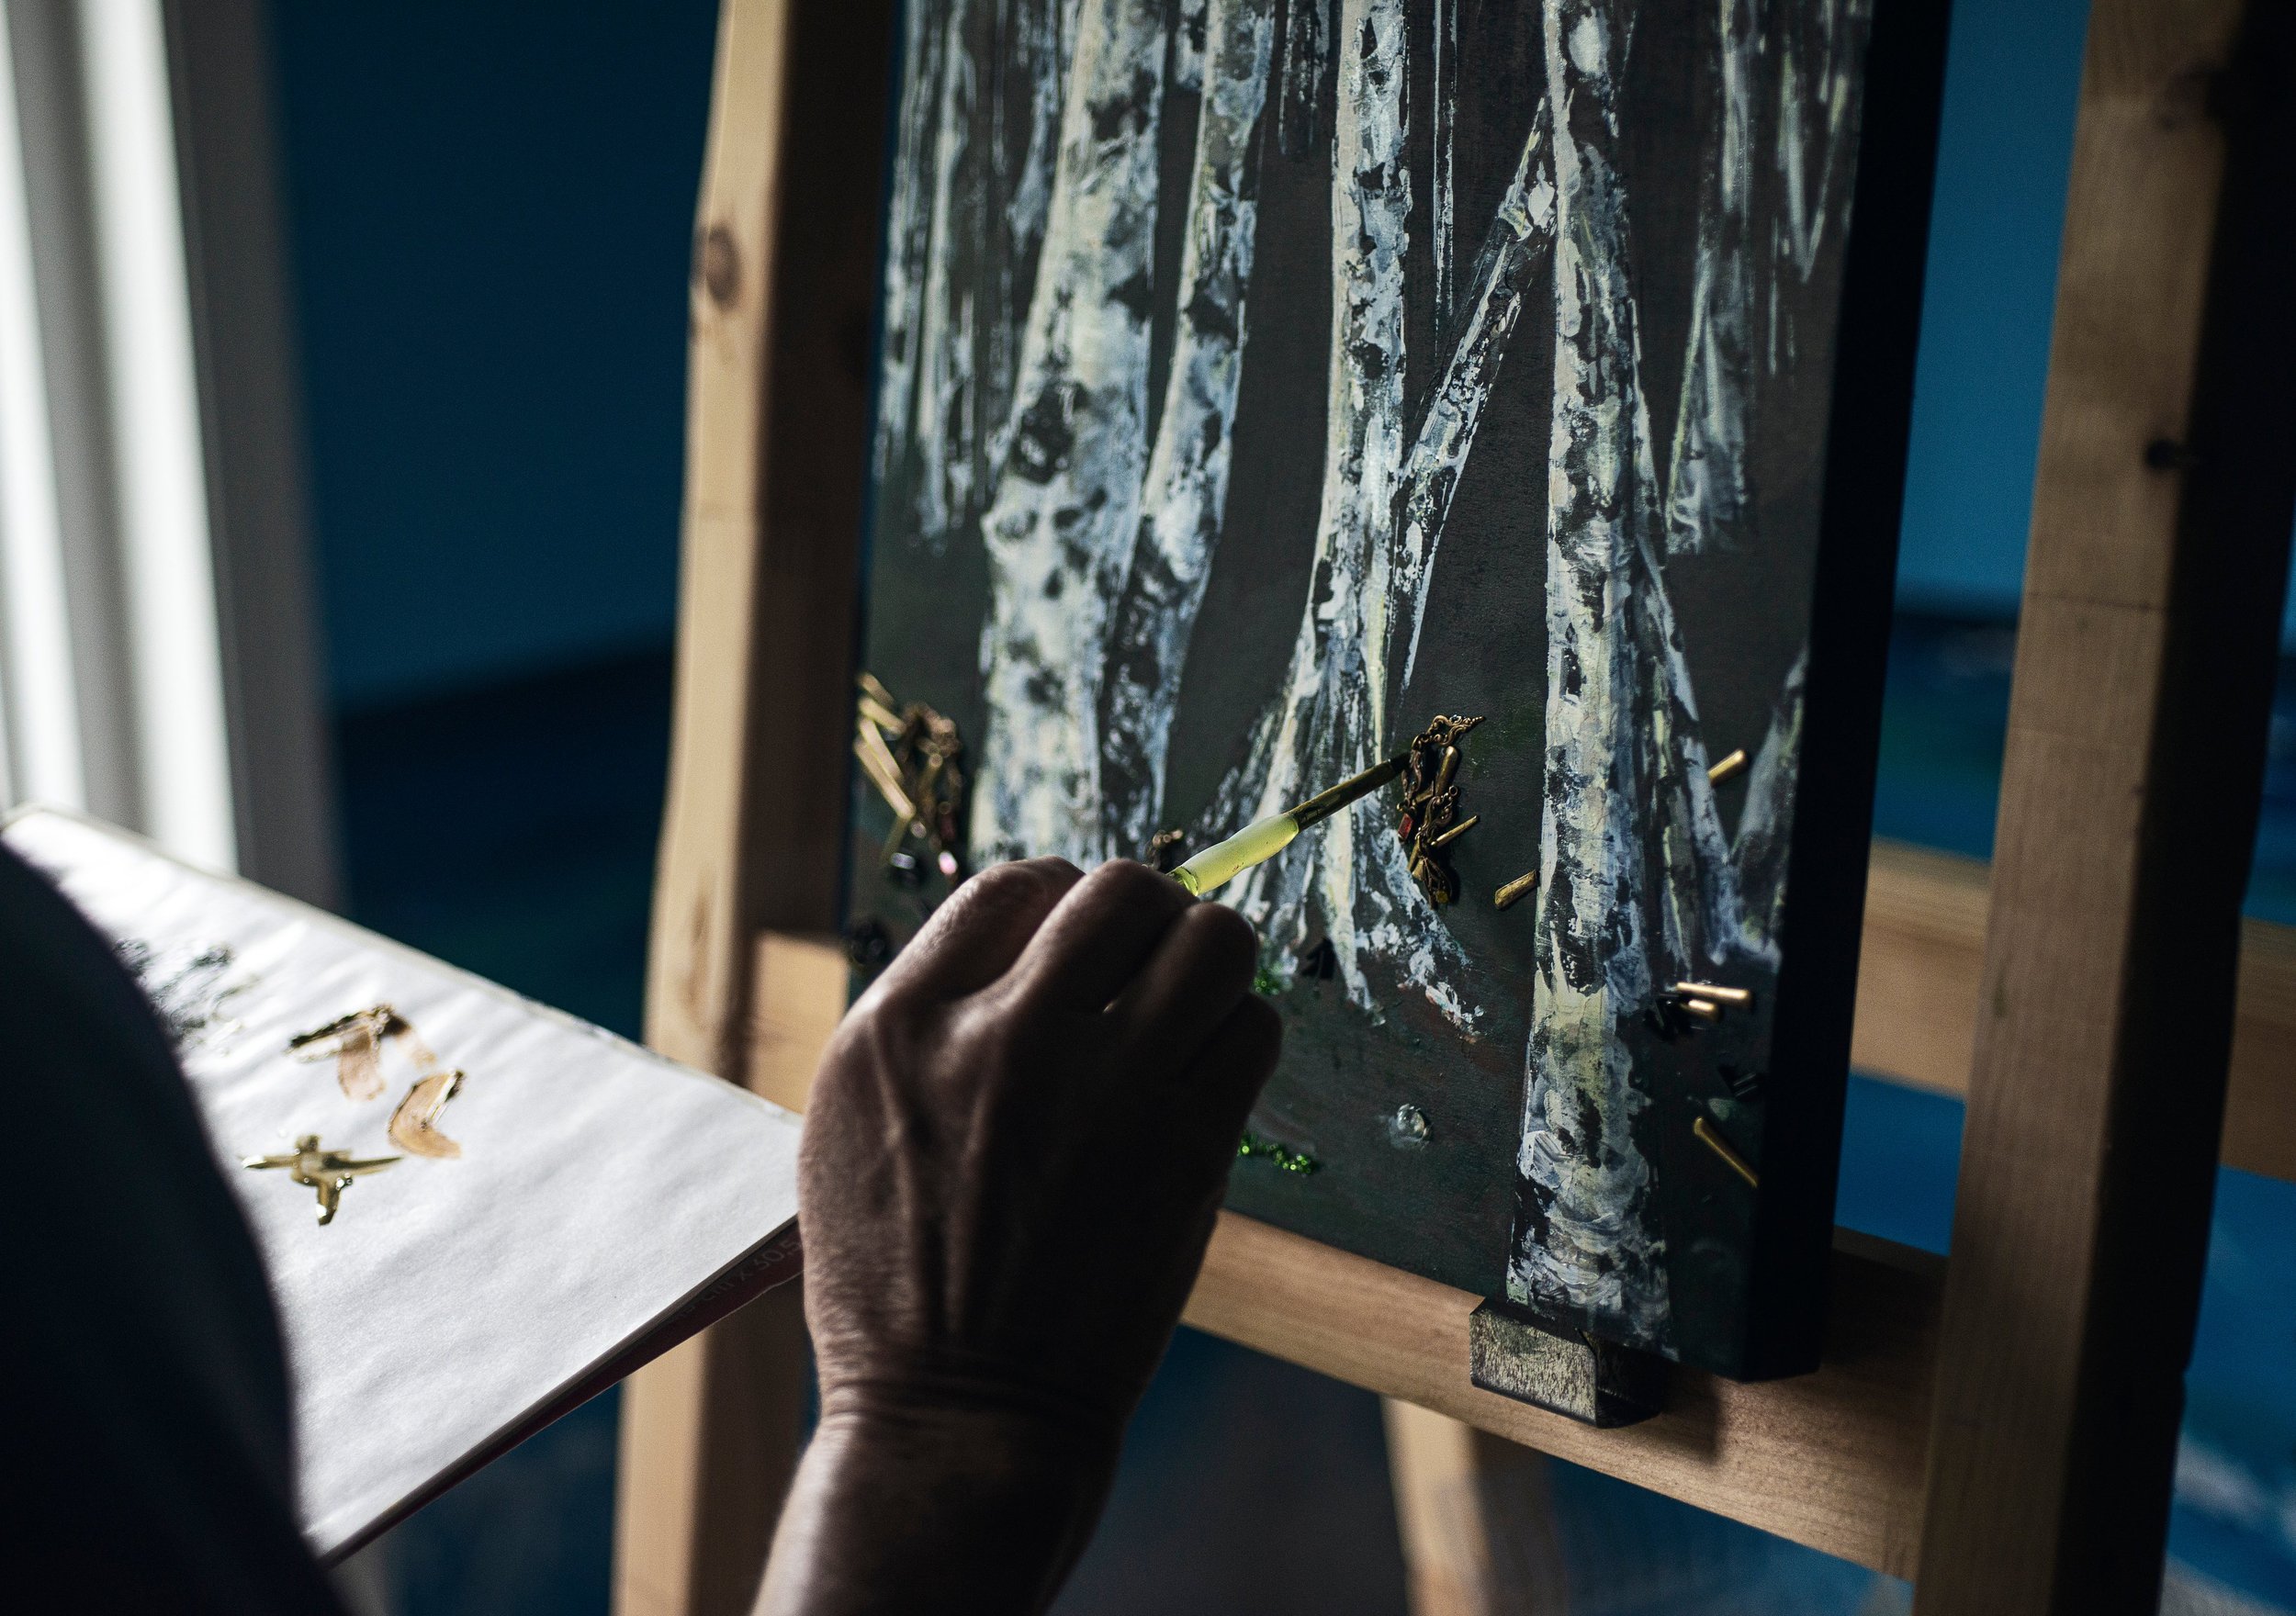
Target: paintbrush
[{"x": 1264, "y": 838}]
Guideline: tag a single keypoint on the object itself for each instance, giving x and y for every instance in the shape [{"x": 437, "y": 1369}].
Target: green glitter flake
[{"x": 1283, "y": 1156}]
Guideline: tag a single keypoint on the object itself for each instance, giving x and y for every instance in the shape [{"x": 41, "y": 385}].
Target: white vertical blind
[
  {"x": 111, "y": 648},
  {"x": 167, "y": 564},
  {"x": 39, "y": 751}
]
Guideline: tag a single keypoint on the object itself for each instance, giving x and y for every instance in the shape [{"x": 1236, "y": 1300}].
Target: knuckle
[
  {"x": 1051, "y": 867},
  {"x": 1002, "y": 885},
  {"x": 1224, "y": 938},
  {"x": 1122, "y": 883}
]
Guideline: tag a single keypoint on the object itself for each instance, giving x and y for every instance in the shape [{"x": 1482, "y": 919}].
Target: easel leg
[
  {"x": 1477, "y": 1519},
  {"x": 710, "y": 1435},
  {"x": 710, "y": 1432}
]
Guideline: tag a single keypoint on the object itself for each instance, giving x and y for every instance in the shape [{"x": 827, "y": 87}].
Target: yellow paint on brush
[
  {"x": 1262, "y": 839},
  {"x": 1222, "y": 862}
]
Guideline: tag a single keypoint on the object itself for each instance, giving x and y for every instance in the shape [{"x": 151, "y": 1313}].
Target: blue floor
[{"x": 512, "y": 831}]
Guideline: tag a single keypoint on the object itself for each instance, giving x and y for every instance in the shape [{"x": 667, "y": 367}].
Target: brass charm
[
  {"x": 329, "y": 1173},
  {"x": 1727, "y": 766},
  {"x": 1711, "y": 1137},
  {"x": 1430, "y": 820},
  {"x": 915, "y": 759}
]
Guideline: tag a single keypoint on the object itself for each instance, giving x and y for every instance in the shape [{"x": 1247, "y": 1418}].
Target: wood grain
[
  {"x": 776, "y": 412},
  {"x": 2145, "y": 653},
  {"x": 1923, "y": 958},
  {"x": 1832, "y": 1460},
  {"x": 1477, "y": 1516}
]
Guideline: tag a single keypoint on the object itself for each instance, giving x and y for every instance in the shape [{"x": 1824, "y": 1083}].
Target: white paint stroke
[
  {"x": 1708, "y": 489},
  {"x": 1513, "y": 251},
  {"x": 1191, "y": 40},
  {"x": 1444, "y": 203},
  {"x": 1042, "y": 36},
  {"x": 1765, "y": 828},
  {"x": 1060, "y": 527},
  {"x": 1348, "y": 881},
  {"x": 1822, "y": 47},
  {"x": 945, "y": 392},
  {"x": 1784, "y": 135},
  {"x": 908, "y": 232},
  {"x": 1186, "y": 497},
  {"x": 1299, "y": 86},
  {"x": 1584, "y": 1245},
  {"x": 1696, "y": 897},
  {"x": 965, "y": 225}
]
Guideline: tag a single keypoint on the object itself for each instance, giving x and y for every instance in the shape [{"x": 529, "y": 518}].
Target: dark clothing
[{"x": 144, "y": 1411}]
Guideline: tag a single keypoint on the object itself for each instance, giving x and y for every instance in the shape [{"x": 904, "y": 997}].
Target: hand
[{"x": 1016, "y": 1148}]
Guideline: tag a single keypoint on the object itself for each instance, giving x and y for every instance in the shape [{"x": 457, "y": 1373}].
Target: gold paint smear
[
  {"x": 415, "y": 1125},
  {"x": 355, "y": 1044}
]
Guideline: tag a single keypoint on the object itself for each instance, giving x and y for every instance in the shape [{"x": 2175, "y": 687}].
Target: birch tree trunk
[
  {"x": 1582, "y": 1244},
  {"x": 1764, "y": 829},
  {"x": 1041, "y": 37},
  {"x": 908, "y": 232},
  {"x": 1785, "y": 139},
  {"x": 1186, "y": 492},
  {"x": 965, "y": 224},
  {"x": 1695, "y": 899},
  {"x": 1059, "y": 528},
  {"x": 1349, "y": 881},
  {"x": 945, "y": 396},
  {"x": 1709, "y": 491},
  {"x": 1517, "y": 247}
]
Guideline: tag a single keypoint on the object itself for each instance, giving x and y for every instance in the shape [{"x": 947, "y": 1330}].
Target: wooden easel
[{"x": 2001, "y": 1428}]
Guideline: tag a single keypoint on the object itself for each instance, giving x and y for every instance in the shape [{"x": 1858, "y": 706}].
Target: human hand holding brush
[{"x": 1016, "y": 1148}]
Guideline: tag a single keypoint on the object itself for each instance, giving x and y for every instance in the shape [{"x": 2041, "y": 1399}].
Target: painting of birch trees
[{"x": 1257, "y": 379}]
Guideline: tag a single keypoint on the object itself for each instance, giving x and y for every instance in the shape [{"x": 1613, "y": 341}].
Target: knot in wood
[{"x": 717, "y": 261}]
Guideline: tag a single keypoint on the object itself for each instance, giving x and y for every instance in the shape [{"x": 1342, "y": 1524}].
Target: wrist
[
  {"x": 974, "y": 1407},
  {"x": 916, "y": 1497}
]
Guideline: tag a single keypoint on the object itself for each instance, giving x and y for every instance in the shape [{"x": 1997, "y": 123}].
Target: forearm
[{"x": 940, "y": 1509}]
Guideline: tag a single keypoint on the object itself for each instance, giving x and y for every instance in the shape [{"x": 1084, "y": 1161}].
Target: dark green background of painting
[{"x": 1444, "y": 1209}]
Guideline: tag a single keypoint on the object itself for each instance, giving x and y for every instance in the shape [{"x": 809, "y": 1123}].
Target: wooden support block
[
  {"x": 1832, "y": 1460},
  {"x": 1923, "y": 958}
]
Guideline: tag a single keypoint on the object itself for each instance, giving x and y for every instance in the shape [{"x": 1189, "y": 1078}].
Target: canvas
[{"x": 1261, "y": 379}]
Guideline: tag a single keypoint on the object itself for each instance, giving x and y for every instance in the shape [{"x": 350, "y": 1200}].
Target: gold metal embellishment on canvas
[
  {"x": 1430, "y": 820},
  {"x": 915, "y": 759}
]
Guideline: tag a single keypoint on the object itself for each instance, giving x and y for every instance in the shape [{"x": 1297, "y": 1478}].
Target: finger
[
  {"x": 1095, "y": 942},
  {"x": 1200, "y": 968},
  {"x": 973, "y": 938},
  {"x": 1223, "y": 1082}
]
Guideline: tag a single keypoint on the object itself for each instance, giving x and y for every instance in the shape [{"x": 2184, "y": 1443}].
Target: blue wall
[
  {"x": 491, "y": 205},
  {"x": 2012, "y": 79}
]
